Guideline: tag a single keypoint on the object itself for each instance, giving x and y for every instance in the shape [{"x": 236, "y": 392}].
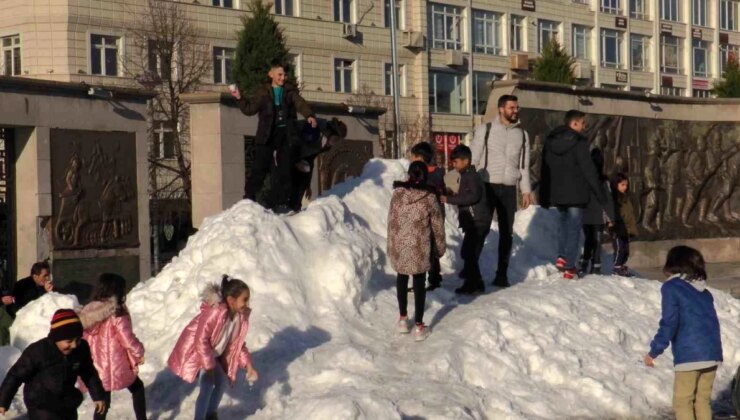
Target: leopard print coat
[{"x": 413, "y": 219}]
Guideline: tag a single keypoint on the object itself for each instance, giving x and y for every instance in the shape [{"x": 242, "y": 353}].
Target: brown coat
[
  {"x": 414, "y": 218},
  {"x": 626, "y": 218}
]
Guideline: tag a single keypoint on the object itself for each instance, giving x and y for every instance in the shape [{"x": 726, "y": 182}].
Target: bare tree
[{"x": 170, "y": 58}]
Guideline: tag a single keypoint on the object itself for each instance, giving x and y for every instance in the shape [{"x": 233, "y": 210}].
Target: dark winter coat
[
  {"x": 24, "y": 291},
  {"x": 625, "y": 224},
  {"x": 436, "y": 179},
  {"x": 595, "y": 213},
  {"x": 413, "y": 218},
  {"x": 471, "y": 201},
  {"x": 50, "y": 377},
  {"x": 568, "y": 173},
  {"x": 689, "y": 323},
  {"x": 262, "y": 102}
]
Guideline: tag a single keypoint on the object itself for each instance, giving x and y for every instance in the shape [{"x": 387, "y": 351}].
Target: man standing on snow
[
  {"x": 501, "y": 152},
  {"x": 276, "y": 103},
  {"x": 568, "y": 173}
]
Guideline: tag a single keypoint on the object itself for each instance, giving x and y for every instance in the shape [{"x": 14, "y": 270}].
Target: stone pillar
[{"x": 217, "y": 155}]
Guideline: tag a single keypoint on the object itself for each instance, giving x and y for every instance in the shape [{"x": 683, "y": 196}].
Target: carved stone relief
[{"x": 343, "y": 161}]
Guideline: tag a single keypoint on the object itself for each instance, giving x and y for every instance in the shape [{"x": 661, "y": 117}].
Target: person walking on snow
[
  {"x": 414, "y": 216},
  {"x": 568, "y": 178},
  {"x": 625, "y": 226},
  {"x": 595, "y": 217},
  {"x": 501, "y": 153}
]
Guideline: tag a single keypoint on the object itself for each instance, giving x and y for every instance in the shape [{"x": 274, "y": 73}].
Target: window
[
  {"x": 344, "y": 75},
  {"x": 229, "y": 4},
  {"x": 581, "y": 41},
  {"x": 698, "y": 93},
  {"x": 222, "y": 59},
  {"x": 487, "y": 32},
  {"x": 516, "y": 33},
  {"x": 446, "y": 93},
  {"x": 12, "y": 55},
  {"x": 699, "y": 12},
  {"x": 639, "y": 52},
  {"x": 104, "y": 55},
  {"x": 638, "y": 9},
  {"x": 547, "y": 31},
  {"x": 343, "y": 11},
  {"x": 611, "y": 7},
  {"x": 482, "y": 90},
  {"x": 671, "y": 91},
  {"x": 284, "y": 7},
  {"x": 729, "y": 15},
  {"x": 640, "y": 89},
  {"x": 158, "y": 54},
  {"x": 612, "y": 87},
  {"x": 445, "y": 27},
  {"x": 669, "y": 10},
  {"x": 388, "y": 72},
  {"x": 670, "y": 54},
  {"x": 701, "y": 57},
  {"x": 611, "y": 49},
  {"x": 400, "y": 16},
  {"x": 164, "y": 140},
  {"x": 725, "y": 51}
]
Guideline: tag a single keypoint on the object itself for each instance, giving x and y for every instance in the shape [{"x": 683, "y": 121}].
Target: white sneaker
[
  {"x": 403, "y": 326},
  {"x": 421, "y": 332}
]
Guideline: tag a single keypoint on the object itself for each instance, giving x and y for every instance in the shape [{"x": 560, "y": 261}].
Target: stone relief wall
[
  {"x": 684, "y": 176},
  {"x": 94, "y": 193}
]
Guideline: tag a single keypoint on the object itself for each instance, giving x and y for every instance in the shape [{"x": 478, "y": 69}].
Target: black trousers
[
  {"x": 592, "y": 245},
  {"x": 621, "y": 250},
  {"x": 300, "y": 183},
  {"x": 40, "y": 414},
  {"x": 137, "y": 394},
  {"x": 420, "y": 295},
  {"x": 274, "y": 158},
  {"x": 435, "y": 273},
  {"x": 472, "y": 246},
  {"x": 502, "y": 200}
]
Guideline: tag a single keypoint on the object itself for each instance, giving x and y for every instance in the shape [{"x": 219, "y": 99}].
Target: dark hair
[
  {"x": 277, "y": 63},
  {"x": 503, "y": 99},
  {"x": 597, "y": 157},
  {"x": 686, "y": 261},
  {"x": 110, "y": 285},
  {"x": 572, "y": 115},
  {"x": 37, "y": 267},
  {"x": 461, "y": 152},
  {"x": 418, "y": 174},
  {"x": 617, "y": 178},
  {"x": 233, "y": 287},
  {"x": 424, "y": 151}
]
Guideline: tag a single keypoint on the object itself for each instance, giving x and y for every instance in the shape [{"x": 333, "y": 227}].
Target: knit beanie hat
[{"x": 65, "y": 325}]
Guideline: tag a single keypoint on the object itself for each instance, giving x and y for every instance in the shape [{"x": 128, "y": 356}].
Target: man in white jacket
[{"x": 503, "y": 161}]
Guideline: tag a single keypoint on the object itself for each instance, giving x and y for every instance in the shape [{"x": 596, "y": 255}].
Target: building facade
[{"x": 449, "y": 50}]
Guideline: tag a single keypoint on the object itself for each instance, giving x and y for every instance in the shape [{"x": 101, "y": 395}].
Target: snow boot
[
  {"x": 500, "y": 281},
  {"x": 560, "y": 264},
  {"x": 212, "y": 416},
  {"x": 569, "y": 273},
  {"x": 421, "y": 332},
  {"x": 622, "y": 270},
  {"x": 402, "y": 326},
  {"x": 596, "y": 269},
  {"x": 470, "y": 288}
]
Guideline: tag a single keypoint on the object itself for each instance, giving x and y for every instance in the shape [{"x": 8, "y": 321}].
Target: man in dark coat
[
  {"x": 29, "y": 288},
  {"x": 277, "y": 104},
  {"x": 568, "y": 177}
]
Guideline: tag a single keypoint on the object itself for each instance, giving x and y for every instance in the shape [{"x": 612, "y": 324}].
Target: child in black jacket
[
  {"x": 49, "y": 368},
  {"x": 475, "y": 218}
]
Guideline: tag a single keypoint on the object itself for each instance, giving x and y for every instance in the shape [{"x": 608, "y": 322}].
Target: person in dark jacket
[
  {"x": 277, "y": 104},
  {"x": 475, "y": 218},
  {"x": 625, "y": 226},
  {"x": 49, "y": 368},
  {"x": 689, "y": 323},
  {"x": 29, "y": 288},
  {"x": 595, "y": 217},
  {"x": 568, "y": 177},
  {"x": 423, "y": 152}
]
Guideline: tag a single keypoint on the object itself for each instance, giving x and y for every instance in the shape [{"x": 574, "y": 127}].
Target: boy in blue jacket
[{"x": 690, "y": 325}]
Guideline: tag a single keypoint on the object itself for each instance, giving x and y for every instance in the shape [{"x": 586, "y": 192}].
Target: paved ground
[{"x": 723, "y": 276}]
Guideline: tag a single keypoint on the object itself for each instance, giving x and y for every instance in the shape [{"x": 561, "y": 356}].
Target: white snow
[{"x": 323, "y": 337}]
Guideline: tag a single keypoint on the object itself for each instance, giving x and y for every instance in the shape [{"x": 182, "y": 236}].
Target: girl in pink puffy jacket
[
  {"x": 115, "y": 350},
  {"x": 212, "y": 346}
]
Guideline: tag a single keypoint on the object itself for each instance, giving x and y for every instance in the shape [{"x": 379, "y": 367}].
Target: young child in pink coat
[
  {"x": 212, "y": 346},
  {"x": 115, "y": 350}
]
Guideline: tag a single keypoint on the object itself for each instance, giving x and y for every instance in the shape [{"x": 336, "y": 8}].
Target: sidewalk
[{"x": 723, "y": 276}]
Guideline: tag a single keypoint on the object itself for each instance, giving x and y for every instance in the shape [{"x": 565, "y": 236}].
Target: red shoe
[
  {"x": 569, "y": 273},
  {"x": 560, "y": 263}
]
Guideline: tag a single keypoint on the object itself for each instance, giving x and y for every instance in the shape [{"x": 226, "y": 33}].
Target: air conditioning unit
[
  {"x": 582, "y": 70},
  {"x": 413, "y": 39},
  {"x": 454, "y": 58},
  {"x": 519, "y": 62},
  {"x": 349, "y": 30}
]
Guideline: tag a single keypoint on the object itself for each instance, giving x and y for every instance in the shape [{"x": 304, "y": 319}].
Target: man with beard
[{"x": 501, "y": 153}]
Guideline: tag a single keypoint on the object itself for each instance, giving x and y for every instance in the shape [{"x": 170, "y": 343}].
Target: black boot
[{"x": 501, "y": 281}]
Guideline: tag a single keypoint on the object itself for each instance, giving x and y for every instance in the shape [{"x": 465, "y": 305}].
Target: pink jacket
[
  {"x": 115, "y": 349},
  {"x": 194, "y": 348}
]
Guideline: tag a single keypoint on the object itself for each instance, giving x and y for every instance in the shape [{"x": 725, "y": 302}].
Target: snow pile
[{"x": 324, "y": 309}]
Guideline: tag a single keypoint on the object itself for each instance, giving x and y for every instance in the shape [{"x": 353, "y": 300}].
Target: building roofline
[{"x": 81, "y": 90}]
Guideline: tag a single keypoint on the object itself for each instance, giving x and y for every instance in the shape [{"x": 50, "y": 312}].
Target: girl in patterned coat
[{"x": 413, "y": 218}]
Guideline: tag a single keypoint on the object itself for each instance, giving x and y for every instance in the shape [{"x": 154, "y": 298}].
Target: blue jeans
[
  {"x": 569, "y": 235},
  {"x": 212, "y": 386}
]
